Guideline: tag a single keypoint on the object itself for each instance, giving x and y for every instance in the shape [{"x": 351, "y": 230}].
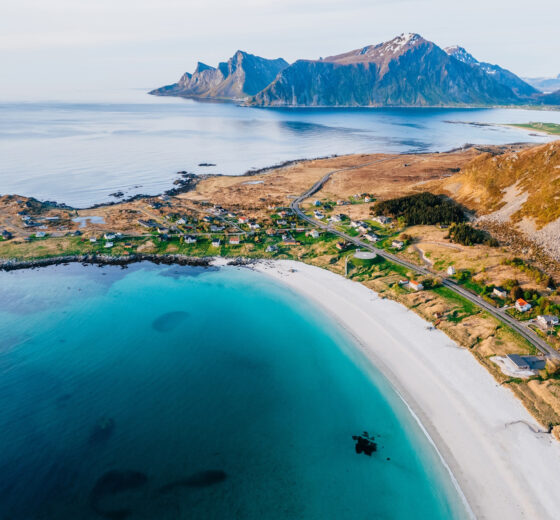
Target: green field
[{"x": 549, "y": 128}]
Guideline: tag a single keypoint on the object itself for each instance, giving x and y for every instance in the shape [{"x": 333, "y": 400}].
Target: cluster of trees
[
  {"x": 467, "y": 235},
  {"x": 537, "y": 275},
  {"x": 421, "y": 209}
]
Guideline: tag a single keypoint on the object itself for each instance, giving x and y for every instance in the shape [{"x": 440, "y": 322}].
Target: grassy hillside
[{"x": 521, "y": 184}]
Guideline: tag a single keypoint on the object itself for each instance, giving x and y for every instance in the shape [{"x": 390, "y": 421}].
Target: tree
[{"x": 516, "y": 292}]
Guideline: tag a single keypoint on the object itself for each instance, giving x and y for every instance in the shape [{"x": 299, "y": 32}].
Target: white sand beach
[{"x": 504, "y": 464}]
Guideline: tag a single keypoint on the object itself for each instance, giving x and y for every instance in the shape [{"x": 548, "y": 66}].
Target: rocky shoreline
[{"x": 100, "y": 260}]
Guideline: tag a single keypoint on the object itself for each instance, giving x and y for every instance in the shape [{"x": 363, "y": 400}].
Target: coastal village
[{"x": 256, "y": 217}]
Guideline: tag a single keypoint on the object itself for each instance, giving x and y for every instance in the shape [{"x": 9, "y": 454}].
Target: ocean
[
  {"x": 80, "y": 152},
  {"x": 196, "y": 393}
]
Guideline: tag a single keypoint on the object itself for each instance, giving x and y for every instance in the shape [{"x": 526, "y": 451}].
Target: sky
[{"x": 50, "y": 49}]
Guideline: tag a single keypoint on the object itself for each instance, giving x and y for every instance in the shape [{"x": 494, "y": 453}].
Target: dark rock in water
[
  {"x": 199, "y": 480},
  {"x": 365, "y": 443},
  {"x": 102, "y": 430},
  {"x": 114, "y": 482},
  {"x": 169, "y": 321},
  {"x": 206, "y": 164},
  {"x": 117, "y": 194},
  {"x": 61, "y": 400}
]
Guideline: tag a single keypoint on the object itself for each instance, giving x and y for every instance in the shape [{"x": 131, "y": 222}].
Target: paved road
[{"x": 522, "y": 330}]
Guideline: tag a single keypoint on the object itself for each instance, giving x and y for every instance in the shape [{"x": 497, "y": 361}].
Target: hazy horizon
[{"x": 64, "y": 47}]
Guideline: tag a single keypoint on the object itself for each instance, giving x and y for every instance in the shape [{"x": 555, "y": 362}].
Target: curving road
[{"x": 521, "y": 329}]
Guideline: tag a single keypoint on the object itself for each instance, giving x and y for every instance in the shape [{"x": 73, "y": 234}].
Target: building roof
[
  {"x": 521, "y": 302},
  {"x": 518, "y": 361}
]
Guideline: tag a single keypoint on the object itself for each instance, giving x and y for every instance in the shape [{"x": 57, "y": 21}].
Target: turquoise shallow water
[{"x": 153, "y": 374}]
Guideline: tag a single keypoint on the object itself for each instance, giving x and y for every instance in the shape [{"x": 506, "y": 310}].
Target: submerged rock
[
  {"x": 365, "y": 443},
  {"x": 199, "y": 480},
  {"x": 111, "y": 483},
  {"x": 169, "y": 321},
  {"x": 102, "y": 430}
]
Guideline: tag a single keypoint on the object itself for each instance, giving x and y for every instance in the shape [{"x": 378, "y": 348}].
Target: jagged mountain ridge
[
  {"x": 242, "y": 75},
  {"x": 405, "y": 71},
  {"x": 503, "y": 76}
]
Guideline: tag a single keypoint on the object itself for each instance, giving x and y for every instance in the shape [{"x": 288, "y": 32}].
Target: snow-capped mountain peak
[{"x": 461, "y": 54}]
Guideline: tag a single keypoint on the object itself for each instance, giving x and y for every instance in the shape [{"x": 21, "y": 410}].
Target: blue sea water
[
  {"x": 80, "y": 152},
  {"x": 170, "y": 371}
]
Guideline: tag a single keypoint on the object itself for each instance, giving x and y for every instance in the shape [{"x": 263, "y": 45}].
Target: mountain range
[
  {"x": 405, "y": 71},
  {"x": 546, "y": 85},
  {"x": 241, "y": 76}
]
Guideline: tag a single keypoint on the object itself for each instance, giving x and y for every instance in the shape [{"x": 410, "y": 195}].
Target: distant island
[{"x": 405, "y": 71}]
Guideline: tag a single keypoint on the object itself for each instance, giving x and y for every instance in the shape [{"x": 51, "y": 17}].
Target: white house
[
  {"x": 397, "y": 244},
  {"x": 364, "y": 228},
  {"x": 109, "y": 236},
  {"x": 40, "y": 234},
  {"x": 371, "y": 237},
  {"x": 314, "y": 233},
  {"x": 93, "y": 240},
  {"x": 500, "y": 293},
  {"x": 181, "y": 221},
  {"x": 216, "y": 242},
  {"x": 108, "y": 245},
  {"x": 547, "y": 321},
  {"x": 318, "y": 214},
  {"x": 271, "y": 249},
  {"x": 254, "y": 225},
  {"x": 450, "y": 270},
  {"x": 189, "y": 239},
  {"x": 415, "y": 286},
  {"x": 234, "y": 240},
  {"x": 522, "y": 306},
  {"x": 382, "y": 219}
]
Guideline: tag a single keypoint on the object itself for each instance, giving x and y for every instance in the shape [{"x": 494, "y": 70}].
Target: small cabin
[{"x": 415, "y": 286}]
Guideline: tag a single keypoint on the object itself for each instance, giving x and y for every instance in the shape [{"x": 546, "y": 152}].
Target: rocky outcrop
[
  {"x": 241, "y": 76},
  {"x": 14, "y": 264},
  {"x": 406, "y": 71}
]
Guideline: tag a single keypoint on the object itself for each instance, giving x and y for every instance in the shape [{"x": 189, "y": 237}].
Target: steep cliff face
[
  {"x": 241, "y": 76},
  {"x": 406, "y": 71}
]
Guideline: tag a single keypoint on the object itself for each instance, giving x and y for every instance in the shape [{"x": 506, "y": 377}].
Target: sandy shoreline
[{"x": 504, "y": 464}]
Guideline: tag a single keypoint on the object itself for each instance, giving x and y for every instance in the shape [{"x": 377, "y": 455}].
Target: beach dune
[{"x": 505, "y": 464}]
